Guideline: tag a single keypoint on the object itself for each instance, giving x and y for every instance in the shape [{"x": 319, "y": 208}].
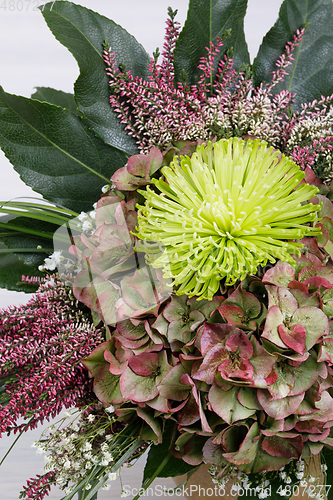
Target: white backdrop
[{"x": 30, "y": 56}]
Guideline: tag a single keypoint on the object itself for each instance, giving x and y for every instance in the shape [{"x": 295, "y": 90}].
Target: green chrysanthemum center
[{"x": 223, "y": 212}]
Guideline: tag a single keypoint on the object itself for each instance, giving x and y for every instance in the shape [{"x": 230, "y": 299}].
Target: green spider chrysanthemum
[{"x": 223, "y": 212}]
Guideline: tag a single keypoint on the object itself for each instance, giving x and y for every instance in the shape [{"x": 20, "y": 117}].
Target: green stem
[
  {"x": 36, "y": 214},
  {"x": 25, "y": 230},
  {"x": 14, "y": 443},
  {"x": 154, "y": 476},
  {"x": 27, "y": 250},
  {"x": 39, "y": 206}
]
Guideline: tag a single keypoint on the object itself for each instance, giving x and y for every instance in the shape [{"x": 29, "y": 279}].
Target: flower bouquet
[{"x": 182, "y": 255}]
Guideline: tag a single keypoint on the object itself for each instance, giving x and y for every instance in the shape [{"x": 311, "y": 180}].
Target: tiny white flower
[
  {"x": 95, "y": 205},
  {"x": 106, "y": 188},
  {"x": 303, "y": 483},
  {"x": 323, "y": 467},
  {"x": 124, "y": 494},
  {"x": 87, "y": 226},
  {"x": 53, "y": 261},
  {"x": 262, "y": 494},
  {"x": 92, "y": 214},
  {"x": 88, "y": 487},
  {"x": 282, "y": 475},
  {"x": 299, "y": 475},
  {"x": 312, "y": 479},
  {"x": 283, "y": 493},
  {"x": 110, "y": 409},
  {"x": 91, "y": 418},
  {"x": 67, "y": 464},
  {"x": 112, "y": 476},
  {"x": 82, "y": 217},
  {"x": 300, "y": 465},
  {"x": 87, "y": 446},
  {"x": 107, "y": 456},
  {"x": 106, "y": 486},
  {"x": 287, "y": 480}
]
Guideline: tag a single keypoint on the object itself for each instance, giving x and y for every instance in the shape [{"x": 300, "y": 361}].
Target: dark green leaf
[
  {"x": 311, "y": 72},
  {"x": 11, "y": 271},
  {"x": 206, "y": 20},
  {"x": 57, "y": 97},
  {"x": 174, "y": 467},
  {"x": 23, "y": 240},
  {"x": 83, "y": 32},
  {"x": 54, "y": 152},
  {"x": 84, "y": 491},
  {"x": 327, "y": 458}
]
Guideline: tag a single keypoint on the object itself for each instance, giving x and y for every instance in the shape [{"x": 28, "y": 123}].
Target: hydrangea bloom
[{"x": 231, "y": 207}]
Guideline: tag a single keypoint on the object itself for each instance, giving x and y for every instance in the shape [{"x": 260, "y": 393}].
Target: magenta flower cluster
[
  {"x": 41, "y": 346},
  {"x": 224, "y": 103}
]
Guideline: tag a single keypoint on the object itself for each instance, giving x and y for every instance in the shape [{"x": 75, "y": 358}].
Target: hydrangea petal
[
  {"x": 227, "y": 406},
  {"x": 315, "y": 323},
  {"x": 293, "y": 337},
  {"x": 280, "y": 408}
]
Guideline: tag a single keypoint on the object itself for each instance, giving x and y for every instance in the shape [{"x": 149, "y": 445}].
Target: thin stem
[{"x": 14, "y": 443}]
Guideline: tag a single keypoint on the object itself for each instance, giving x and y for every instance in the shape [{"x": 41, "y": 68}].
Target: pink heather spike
[{"x": 41, "y": 348}]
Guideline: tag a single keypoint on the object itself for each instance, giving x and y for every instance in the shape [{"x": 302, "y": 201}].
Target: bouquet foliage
[{"x": 182, "y": 255}]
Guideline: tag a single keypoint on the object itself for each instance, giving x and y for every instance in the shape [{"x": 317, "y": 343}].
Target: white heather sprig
[
  {"x": 81, "y": 436},
  {"x": 222, "y": 104},
  {"x": 288, "y": 478},
  {"x": 72, "y": 450}
]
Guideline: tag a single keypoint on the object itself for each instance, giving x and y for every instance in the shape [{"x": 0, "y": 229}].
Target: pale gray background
[{"x": 30, "y": 56}]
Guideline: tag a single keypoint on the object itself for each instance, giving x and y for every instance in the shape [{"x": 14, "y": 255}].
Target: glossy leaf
[
  {"x": 57, "y": 97},
  {"x": 207, "y": 20},
  {"x": 327, "y": 458},
  {"x": 310, "y": 74},
  {"x": 54, "y": 152},
  {"x": 11, "y": 271},
  {"x": 31, "y": 240},
  {"x": 175, "y": 466},
  {"x": 83, "y": 32}
]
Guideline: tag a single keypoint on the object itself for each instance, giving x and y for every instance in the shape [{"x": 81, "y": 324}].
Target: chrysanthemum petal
[{"x": 231, "y": 207}]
